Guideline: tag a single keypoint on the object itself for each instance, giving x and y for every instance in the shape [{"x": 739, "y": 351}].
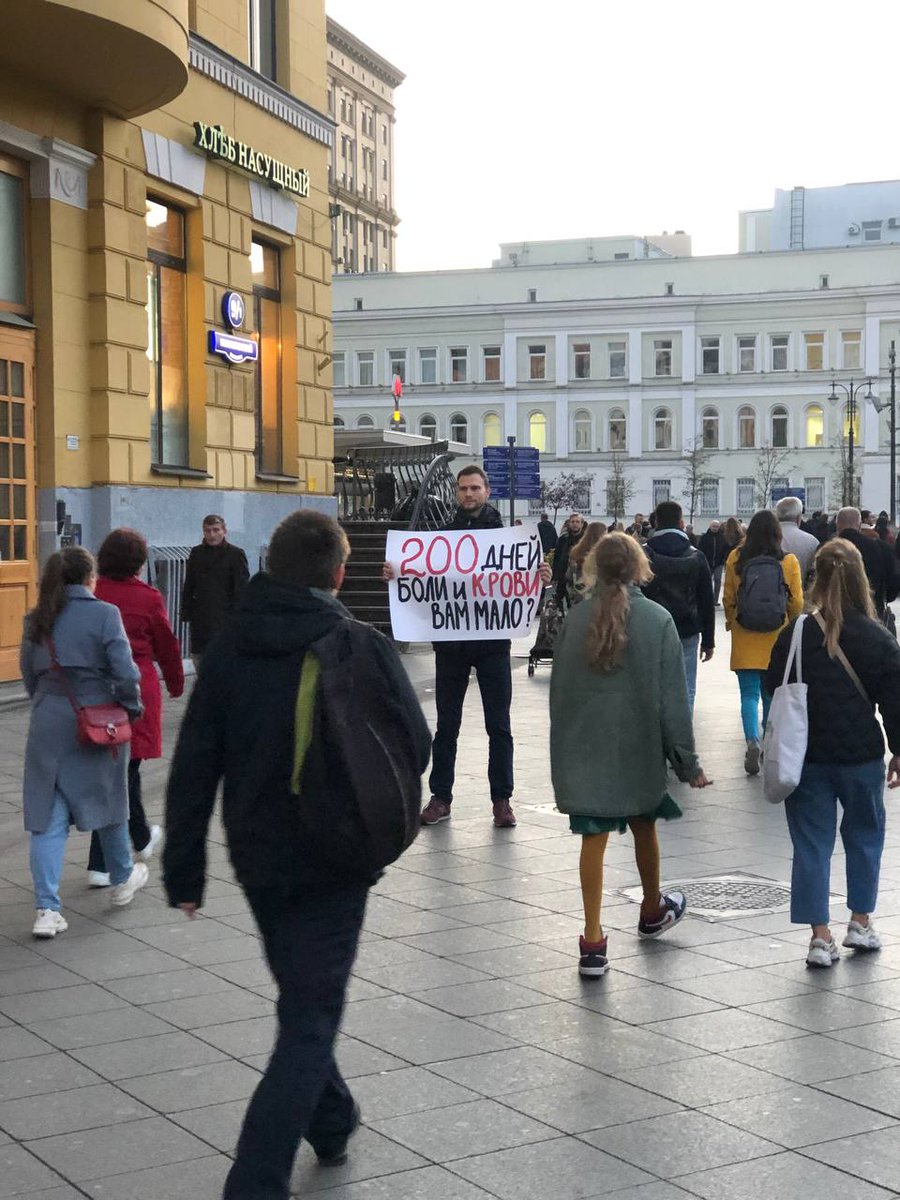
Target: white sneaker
[
  {"x": 822, "y": 953},
  {"x": 150, "y": 849},
  {"x": 124, "y": 893},
  {"x": 98, "y": 879},
  {"x": 862, "y": 937},
  {"x": 48, "y": 923}
]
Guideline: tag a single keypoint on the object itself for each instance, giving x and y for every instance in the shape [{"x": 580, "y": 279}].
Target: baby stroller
[{"x": 548, "y": 627}]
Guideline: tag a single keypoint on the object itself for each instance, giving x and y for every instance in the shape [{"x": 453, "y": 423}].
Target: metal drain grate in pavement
[{"x": 718, "y": 897}]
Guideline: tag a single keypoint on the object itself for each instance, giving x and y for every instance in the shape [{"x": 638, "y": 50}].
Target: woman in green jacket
[{"x": 618, "y": 668}]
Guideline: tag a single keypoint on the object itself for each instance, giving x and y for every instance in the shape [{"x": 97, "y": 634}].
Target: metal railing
[
  {"x": 402, "y": 484},
  {"x": 436, "y": 501},
  {"x": 166, "y": 566}
]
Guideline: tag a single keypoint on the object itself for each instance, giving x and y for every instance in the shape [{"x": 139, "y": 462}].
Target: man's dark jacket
[
  {"x": 714, "y": 548},
  {"x": 213, "y": 582},
  {"x": 564, "y": 547},
  {"x": 682, "y": 584},
  {"x": 881, "y": 567},
  {"x": 240, "y": 726},
  {"x": 487, "y": 517},
  {"x": 548, "y": 535}
]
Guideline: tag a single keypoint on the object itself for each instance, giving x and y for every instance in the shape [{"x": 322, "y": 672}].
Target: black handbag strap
[{"x": 845, "y": 662}]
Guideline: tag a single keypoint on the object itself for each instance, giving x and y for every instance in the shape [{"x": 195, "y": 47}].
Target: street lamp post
[
  {"x": 851, "y": 390},
  {"x": 880, "y": 406}
]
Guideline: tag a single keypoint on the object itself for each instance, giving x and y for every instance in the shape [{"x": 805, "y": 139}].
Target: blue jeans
[
  {"x": 812, "y": 819},
  {"x": 48, "y": 850},
  {"x": 752, "y": 690},
  {"x": 690, "y": 647}
]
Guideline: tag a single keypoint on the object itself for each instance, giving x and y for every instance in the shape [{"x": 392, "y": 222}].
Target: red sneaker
[
  {"x": 435, "y": 811},
  {"x": 504, "y": 817}
]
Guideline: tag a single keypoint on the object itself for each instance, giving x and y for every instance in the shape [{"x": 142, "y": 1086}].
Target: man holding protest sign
[{"x": 476, "y": 587}]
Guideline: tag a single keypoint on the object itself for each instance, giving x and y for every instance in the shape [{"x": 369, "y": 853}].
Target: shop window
[
  {"x": 537, "y": 431},
  {"x": 261, "y": 37},
  {"x": 815, "y": 426},
  {"x": 265, "y": 269},
  {"x": 13, "y": 270},
  {"x": 166, "y": 334},
  {"x": 491, "y": 430}
]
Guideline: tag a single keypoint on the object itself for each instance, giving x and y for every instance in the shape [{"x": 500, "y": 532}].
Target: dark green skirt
[{"x": 667, "y": 810}]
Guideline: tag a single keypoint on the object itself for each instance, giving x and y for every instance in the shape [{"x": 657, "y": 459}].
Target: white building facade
[{"x": 616, "y": 368}]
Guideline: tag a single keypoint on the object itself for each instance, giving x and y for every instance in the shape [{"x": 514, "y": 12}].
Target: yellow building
[{"x": 165, "y": 267}]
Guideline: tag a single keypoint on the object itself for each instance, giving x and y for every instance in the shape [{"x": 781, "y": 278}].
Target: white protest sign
[{"x": 462, "y": 586}]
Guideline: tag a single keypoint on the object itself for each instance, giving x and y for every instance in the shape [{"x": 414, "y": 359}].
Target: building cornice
[
  {"x": 237, "y": 77},
  {"x": 344, "y": 40}
]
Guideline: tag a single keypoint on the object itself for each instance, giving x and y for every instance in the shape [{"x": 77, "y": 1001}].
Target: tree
[
  {"x": 619, "y": 489},
  {"x": 771, "y": 463},
  {"x": 695, "y": 476},
  {"x": 565, "y": 491}
]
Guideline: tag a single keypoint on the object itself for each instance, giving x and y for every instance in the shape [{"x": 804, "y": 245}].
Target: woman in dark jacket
[
  {"x": 120, "y": 561},
  {"x": 570, "y": 537},
  {"x": 845, "y": 749}
]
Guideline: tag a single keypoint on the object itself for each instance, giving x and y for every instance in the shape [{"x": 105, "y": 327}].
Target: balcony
[{"x": 124, "y": 58}]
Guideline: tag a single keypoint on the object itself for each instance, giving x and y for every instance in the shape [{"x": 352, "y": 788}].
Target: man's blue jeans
[
  {"x": 812, "y": 819},
  {"x": 752, "y": 691},
  {"x": 690, "y": 647},
  {"x": 48, "y": 850}
]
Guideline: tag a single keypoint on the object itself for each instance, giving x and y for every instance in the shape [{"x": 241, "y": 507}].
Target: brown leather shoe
[
  {"x": 504, "y": 817},
  {"x": 435, "y": 811}
]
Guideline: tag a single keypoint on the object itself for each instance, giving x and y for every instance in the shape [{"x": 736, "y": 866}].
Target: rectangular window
[
  {"x": 815, "y": 493},
  {"x": 778, "y": 345},
  {"x": 746, "y": 355},
  {"x": 851, "y": 349},
  {"x": 13, "y": 274},
  {"x": 662, "y": 351},
  {"x": 365, "y": 368},
  {"x": 261, "y": 37},
  {"x": 397, "y": 365},
  {"x": 709, "y": 356},
  {"x": 491, "y": 364},
  {"x": 814, "y": 345},
  {"x": 166, "y": 330},
  {"x": 662, "y": 491},
  {"x": 537, "y": 361},
  {"x": 617, "y": 360},
  {"x": 582, "y": 352},
  {"x": 339, "y": 369},
  {"x": 265, "y": 270},
  {"x": 459, "y": 364},
  {"x": 746, "y": 496},
  {"x": 428, "y": 366},
  {"x": 709, "y": 497},
  {"x": 384, "y": 169},
  {"x": 871, "y": 231}
]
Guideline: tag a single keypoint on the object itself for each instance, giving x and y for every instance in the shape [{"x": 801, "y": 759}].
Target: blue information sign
[{"x": 527, "y": 468}]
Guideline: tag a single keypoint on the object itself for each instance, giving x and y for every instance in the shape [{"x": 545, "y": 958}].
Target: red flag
[{"x": 397, "y": 387}]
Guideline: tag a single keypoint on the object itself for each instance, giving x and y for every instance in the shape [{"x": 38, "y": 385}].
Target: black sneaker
[
  {"x": 673, "y": 906},
  {"x": 593, "y": 961},
  {"x": 333, "y": 1151}
]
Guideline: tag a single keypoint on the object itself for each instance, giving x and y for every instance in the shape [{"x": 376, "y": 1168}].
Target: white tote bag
[{"x": 787, "y": 730}]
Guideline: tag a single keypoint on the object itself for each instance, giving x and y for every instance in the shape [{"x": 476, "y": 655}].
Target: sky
[{"x": 525, "y": 120}]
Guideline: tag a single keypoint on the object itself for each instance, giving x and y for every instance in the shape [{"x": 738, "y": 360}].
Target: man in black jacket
[
  {"x": 547, "y": 533},
  {"x": 240, "y": 726},
  {"x": 715, "y": 550},
  {"x": 682, "y": 584},
  {"x": 881, "y": 565},
  {"x": 570, "y": 537},
  {"x": 215, "y": 576}
]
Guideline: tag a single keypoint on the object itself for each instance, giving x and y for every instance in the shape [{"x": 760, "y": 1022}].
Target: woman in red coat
[{"x": 119, "y": 562}]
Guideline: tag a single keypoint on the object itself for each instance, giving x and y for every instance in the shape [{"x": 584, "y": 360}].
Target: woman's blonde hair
[
  {"x": 587, "y": 542},
  {"x": 840, "y": 584},
  {"x": 617, "y": 561}
]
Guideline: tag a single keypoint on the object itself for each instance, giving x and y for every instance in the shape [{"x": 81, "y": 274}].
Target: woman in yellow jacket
[{"x": 751, "y": 648}]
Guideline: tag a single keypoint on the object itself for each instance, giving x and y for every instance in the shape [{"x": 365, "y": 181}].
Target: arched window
[
  {"x": 617, "y": 430},
  {"x": 845, "y": 424},
  {"x": 428, "y": 427},
  {"x": 815, "y": 425},
  {"x": 780, "y": 427},
  {"x": 491, "y": 430},
  {"x": 459, "y": 428},
  {"x": 710, "y": 429},
  {"x": 537, "y": 431},
  {"x": 339, "y": 422},
  {"x": 746, "y": 428},
  {"x": 583, "y": 425},
  {"x": 400, "y": 426},
  {"x": 662, "y": 430},
  {"x": 365, "y": 422}
]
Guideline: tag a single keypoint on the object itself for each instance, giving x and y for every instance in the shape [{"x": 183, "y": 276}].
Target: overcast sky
[{"x": 527, "y": 119}]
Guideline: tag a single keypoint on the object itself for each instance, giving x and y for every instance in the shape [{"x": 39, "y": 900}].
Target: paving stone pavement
[{"x": 712, "y": 1064}]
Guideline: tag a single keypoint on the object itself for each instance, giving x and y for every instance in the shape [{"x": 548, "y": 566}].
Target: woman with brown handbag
[{"x": 76, "y": 660}]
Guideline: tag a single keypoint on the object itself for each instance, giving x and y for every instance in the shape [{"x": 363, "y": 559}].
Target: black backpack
[
  {"x": 358, "y": 778},
  {"x": 762, "y": 596},
  {"x": 674, "y": 586}
]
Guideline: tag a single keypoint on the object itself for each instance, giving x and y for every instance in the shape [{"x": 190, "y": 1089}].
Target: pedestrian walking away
[
  {"x": 547, "y": 533},
  {"x": 881, "y": 566},
  {"x": 215, "y": 576},
  {"x": 454, "y": 663},
  {"x": 794, "y": 540},
  {"x": 618, "y": 668},
  {"x": 713, "y": 546},
  {"x": 120, "y": 561},
  {"x": 850, "y": 664},
  {"x": 299, "y": 844},
  {"x": 762, "y": 594},
  {"x": 66, "y": 782}
]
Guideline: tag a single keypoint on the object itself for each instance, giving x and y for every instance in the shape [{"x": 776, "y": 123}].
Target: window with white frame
[
  {"x": 582, "y": 356},
  {"x": 709, "y": 355},
  {"x": 491, "y": 430},
  {"x": 397, "y": 364},
  {"x": 617, "y": 429},
  {"x": 428, "y": 427},
  {"x": 746, "y": 353},
  {"x": 814, "y": 349},
  {"x": 428, "y": 365},
  {"x": 365, "y": 422},
  {"x": 617, "y": 364},
  {"x": 662, "y": 356},
  {"x": 851, "y": 349},
  {"x": 746, "y": 428},
  {"x": 746, "y": 496},
  {"x": 662, "y": 430},
  {"x": 537, "y": 431},
  {"x": 339, "y": 369},
  {"x": 365, "y": 368},
  {"x": 779, "y": 429},
  {"x": 459, "y": 428},
  {"x": 583, "y": 424},
  {"x": 778, "y": 351},
  {"x": 537, "y": 361},
  {"x": 815, "y": 425},
  {"x": 709, "y": 497},
  {"x": 815, "y": 493},
  {"x": 459, "y": 364},
  {"x": 490, "y": 362},
  {"x": 662, "y": 491},
  {"x": 709, "y": 429}
]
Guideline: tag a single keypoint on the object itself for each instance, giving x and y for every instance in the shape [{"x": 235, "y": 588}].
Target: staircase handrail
[{"x": 438, "y": 476}]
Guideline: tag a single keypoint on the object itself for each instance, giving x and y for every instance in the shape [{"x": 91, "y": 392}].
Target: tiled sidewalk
[{"x": 710, "y": 1065}]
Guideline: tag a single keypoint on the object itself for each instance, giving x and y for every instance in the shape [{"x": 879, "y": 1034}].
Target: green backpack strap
[{"x": 304, "y": 714}]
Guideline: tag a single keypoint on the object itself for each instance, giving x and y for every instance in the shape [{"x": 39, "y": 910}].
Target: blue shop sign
[
  {"x": 236, "y": 349},
  {"x": 233, "y": 310}
]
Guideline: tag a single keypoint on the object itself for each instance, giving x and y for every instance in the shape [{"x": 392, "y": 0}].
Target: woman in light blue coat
[{"x": 66, "y": 782}]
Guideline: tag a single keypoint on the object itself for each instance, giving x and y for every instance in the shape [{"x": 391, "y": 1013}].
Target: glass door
[{"x": 18, "y": 548}]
